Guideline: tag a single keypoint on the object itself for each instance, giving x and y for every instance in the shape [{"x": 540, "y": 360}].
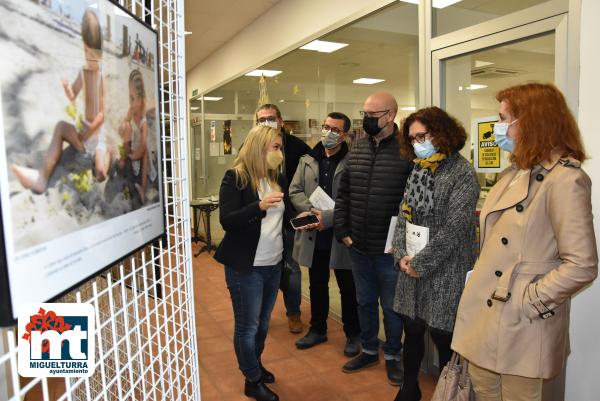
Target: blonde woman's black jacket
[{"x": 241, "y": 217}]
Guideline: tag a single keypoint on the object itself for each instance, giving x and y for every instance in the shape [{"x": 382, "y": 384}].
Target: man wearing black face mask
[{"x": 371, "y": 190}]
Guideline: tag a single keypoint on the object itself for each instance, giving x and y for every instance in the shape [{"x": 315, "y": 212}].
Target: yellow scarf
[
  {"x": 420, "y": 175},
  {"x": 432, "y": 162}
]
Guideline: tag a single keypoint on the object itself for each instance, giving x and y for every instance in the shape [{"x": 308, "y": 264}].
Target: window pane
[
  {"x": 383, "y": 45},
  {"x": 471, "y": 82},
  {"x": 465, "y": 13}
]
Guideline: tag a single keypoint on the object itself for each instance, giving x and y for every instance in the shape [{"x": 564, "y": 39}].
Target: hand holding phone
[
  {"x": 319, "y": 214},
  {"x": 304, "y": 220}
]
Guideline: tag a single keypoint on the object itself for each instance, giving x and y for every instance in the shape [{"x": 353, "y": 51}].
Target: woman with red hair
[{"x": 537, "y": 250}]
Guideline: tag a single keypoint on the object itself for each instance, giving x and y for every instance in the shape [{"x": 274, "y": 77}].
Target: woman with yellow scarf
[{"x": 434, "y": 238}]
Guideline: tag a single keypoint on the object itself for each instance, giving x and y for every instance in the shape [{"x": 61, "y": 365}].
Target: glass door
[{"x": 467, "y": 76}]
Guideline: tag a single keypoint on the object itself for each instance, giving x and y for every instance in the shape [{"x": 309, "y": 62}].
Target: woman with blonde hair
[
  {"x": 252, "y": 208},
  {"x": 537, "y": 250}
]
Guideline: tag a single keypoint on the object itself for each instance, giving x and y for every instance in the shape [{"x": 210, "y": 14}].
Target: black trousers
[
  {"x": 319, "y": 295},
  {"x": 414, "y": 346}
]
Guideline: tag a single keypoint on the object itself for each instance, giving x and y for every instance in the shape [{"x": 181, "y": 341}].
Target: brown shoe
[{"x": 295, "y": 324}]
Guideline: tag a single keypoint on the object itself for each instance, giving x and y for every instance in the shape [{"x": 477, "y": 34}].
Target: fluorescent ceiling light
[
  {"x": 266, "y": 73},
  {"x": 436, "y": 3},
  {"x": 444, "y": 3},
  {"x": 472, "y": 87},
  {"x": 367, "y": 81},
  {"x": 187, "y": 33},
  {"x": 480, "y": 63},
  {"x": 194, "y": 108},
  {"x": 323, "y": 46},
  {"x": 408, "y": 108},
  {"x": 213, "y": 98}
]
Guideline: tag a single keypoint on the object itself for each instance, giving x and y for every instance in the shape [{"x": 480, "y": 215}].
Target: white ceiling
[{"x": 213, "y": 23}]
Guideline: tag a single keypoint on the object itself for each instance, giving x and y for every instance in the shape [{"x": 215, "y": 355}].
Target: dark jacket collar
[
  {"x": 318, "y": 152},
  {"x": 394, "y": 136}
]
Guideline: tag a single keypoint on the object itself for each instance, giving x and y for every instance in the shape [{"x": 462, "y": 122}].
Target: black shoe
[
  {"x": 410, "y": 391},
  {"x": 352, "y": 347},
  {"x": 267, "y": 377},
  {"x": 395, "y": 373},
  {"x": 310, "y": 340},
  {"x": 259, "y": 391},
  {"x": 361, "y": 362}
]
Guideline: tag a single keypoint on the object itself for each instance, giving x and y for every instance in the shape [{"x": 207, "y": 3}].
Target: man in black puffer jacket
[{"x": 370, "y": 193}]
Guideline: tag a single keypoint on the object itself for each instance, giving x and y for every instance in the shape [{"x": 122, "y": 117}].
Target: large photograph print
[{"x": 80, "y": 153}]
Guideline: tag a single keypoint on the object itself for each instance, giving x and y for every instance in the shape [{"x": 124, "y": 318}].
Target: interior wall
[
  {"x": 289, "y": 24},
  {"x": 584, "y": 362}
]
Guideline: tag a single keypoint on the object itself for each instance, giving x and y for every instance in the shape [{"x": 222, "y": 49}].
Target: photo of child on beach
[{"x": 81, "y": 134}]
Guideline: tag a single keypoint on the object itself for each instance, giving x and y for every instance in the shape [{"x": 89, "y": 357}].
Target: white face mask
[
  {"x": 501, "y": 136},
  {"x": 272, "y": 124},
  {"x": 425, "y": 149},
  {"x": 330, "y": 139}
]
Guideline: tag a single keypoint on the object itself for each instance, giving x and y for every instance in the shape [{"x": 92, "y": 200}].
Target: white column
[{"x": 583, "y": 366}]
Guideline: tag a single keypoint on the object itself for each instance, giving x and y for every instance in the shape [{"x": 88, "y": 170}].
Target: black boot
[
  {"x": 267, "y": 377},
  {"x": 259, "y": 391},
  {"x": 395, "y": 373},
  {"x": 410, "y": 390}
]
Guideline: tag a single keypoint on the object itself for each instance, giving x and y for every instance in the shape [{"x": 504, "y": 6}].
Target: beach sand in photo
[{"x": 34, "y": 101}]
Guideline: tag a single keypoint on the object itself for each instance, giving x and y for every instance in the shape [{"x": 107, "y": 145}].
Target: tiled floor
[{"x": 308, "y": 375}]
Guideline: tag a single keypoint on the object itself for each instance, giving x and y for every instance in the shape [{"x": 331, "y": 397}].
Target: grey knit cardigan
[{"x": 442, "y": 265}]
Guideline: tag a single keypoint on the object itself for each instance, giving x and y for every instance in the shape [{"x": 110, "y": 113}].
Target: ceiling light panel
[
  {"x": 266, "y": 73},
  {"x": 444, "y": 3},
  {"x": 436, "y": 3},
  {"x": 367, "y": 81},
  {"x": 472, "y": 87},
  {"x": 323, "y": 46}
]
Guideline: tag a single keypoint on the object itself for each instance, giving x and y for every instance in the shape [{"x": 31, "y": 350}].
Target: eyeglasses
[
  {"x": 265, "y": 119},
  {"x": 372, "y": 113},
  {"x": 335, "y": 130},
  {"x": 419, "y": 137}
]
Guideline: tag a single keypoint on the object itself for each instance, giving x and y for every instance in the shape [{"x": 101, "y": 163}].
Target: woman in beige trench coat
[{"x": 537, "y": 250}]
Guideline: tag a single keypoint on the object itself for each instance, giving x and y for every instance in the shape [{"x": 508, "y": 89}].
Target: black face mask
[{"x": 371, "y": 125}]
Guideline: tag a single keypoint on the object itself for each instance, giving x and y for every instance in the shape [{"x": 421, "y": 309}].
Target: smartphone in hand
[{"x": 299, "y": 222}]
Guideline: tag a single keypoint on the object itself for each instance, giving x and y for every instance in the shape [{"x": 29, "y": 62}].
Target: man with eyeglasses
[
  {"x": 315, "y": 245},
  {"x": 293, "y": 149},
  {"x": 371, "y": 190}
]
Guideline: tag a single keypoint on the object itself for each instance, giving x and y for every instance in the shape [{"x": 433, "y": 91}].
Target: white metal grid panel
[{"x": 146, "y": 339}]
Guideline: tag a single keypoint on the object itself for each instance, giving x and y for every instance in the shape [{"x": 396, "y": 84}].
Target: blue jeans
[
  {"x": 253, "y": 294},
  {"x": 292, "y": 296},
  {"x": 375, "y": 279}
]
